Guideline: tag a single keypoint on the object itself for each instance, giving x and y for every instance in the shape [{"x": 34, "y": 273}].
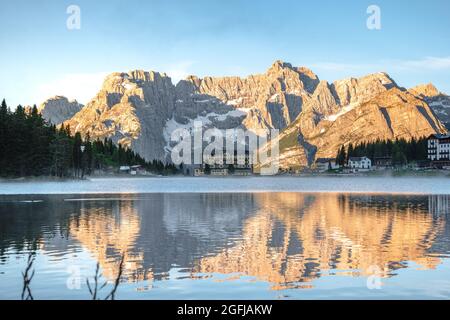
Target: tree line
[
  {"x": 401, "y": 151},
  {"x": 29, "y": 146}
]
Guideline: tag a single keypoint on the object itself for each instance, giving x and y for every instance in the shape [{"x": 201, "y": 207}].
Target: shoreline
[{"x": 67, "y": 179}]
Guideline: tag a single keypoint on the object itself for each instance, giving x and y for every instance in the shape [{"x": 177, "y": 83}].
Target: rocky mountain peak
[
  {"x": 438, "y": 101},
  {"x": 285, "y": 71},
  {"x": 359, "y": 90},
  {"x": 139, "y": 78},
  {"x": 59, "y": 109},
  {"x": 279, "y": 65},
  {"x": 425, "y": 90}
]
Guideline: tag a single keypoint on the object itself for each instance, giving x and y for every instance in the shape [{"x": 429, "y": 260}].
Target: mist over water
[{"x": 335, "y": 184}]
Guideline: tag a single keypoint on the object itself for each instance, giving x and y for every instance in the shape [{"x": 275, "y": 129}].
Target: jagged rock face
[
  {"x": 332, "y": 99},
  {"x": 131, "y": 108},
  {"x": 271, "y": 100},
  {"x": 141, "y": 109},
  {"x": 439, "y": 102},
  {"x": 59, "y": 109},
  {"x": 381, "y": 111},
  {"x": 425, "y": 90},
  {"x": 360, "y": 90},
  {"x": 392, "y": 114}
]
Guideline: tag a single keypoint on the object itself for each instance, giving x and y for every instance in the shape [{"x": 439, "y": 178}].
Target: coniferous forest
[
  {"x": 400, "y": 150},
  {"x": 32, "y": 147}
]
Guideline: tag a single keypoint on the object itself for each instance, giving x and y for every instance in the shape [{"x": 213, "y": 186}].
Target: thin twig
[
  {"x": 95, "y": 289},
  {"x": 26, "y": 291},
  {"x": 117, "y": 281}
]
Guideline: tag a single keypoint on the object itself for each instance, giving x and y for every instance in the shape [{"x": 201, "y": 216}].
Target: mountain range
[{"x": 140, "y": 109}]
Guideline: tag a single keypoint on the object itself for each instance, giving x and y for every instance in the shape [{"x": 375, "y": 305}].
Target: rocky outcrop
[
  {"x": 131, "y": 109},
  {"x": 393, "y": 114},
  {"x": 59, "y": 109},
  {"x": 439, "y": 102},
  {"x": 374, "y": 108},
  {"x": 331, "y": 100},
  {"x": 271, "y": 100},
  {"x": 425, "y": 90}
]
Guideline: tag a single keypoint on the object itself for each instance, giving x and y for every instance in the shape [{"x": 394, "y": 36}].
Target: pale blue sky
[{"x": 40, "y": 57}]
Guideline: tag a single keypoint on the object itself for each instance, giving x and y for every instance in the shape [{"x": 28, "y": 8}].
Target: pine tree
[
  {"x": 88, "y": 155},
  {"x": 350, "y": 152},
  {"x": 61, "y": 151},
  {"x": 341, "y": 157},
  {"x": 77, "y": 155},
  {"x": 4, "y": 139}
]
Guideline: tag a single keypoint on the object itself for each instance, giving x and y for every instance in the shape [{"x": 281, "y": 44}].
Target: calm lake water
[{"x": 251, "y": 242}]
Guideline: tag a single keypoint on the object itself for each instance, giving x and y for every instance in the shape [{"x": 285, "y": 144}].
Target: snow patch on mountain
[
  {"x": 205, "y": 120},
  {"x": 341, "y": 112}
]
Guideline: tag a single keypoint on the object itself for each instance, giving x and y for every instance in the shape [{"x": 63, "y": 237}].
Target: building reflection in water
[
  {"x": 287, "y": 239},
  {"x": 438, "y": 204}
]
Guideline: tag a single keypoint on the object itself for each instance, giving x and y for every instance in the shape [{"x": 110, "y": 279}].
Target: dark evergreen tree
[
  {"x": 77, "y": 154},
  {"x": 341, "y": 157},
  {"x": 4, "y": 138},
  {"x": 87, "y": 156},
  {"x": 349, "y": 152},
  {"x": 61, "y": 151}
]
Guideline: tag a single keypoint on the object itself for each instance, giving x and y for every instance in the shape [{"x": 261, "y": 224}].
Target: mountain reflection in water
[{"x": 285, "y": 239}]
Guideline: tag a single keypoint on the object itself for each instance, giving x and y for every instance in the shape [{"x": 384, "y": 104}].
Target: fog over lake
[{"x": 362, "y": 184}]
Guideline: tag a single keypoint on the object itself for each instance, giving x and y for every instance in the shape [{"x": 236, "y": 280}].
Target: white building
[
  {"x": 225, "y": 163},
  {"x": 439, "y": 149},
  {"x": 360, "y": 163},
  {"x": 124, "y": 169}
]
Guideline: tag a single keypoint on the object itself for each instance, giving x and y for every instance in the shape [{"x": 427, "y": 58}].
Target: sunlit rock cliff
[
  {"x": 438, "y": 101},
  {"x": 355, "y": 111}
]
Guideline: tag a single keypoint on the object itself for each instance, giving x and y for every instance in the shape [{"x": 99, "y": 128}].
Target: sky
[{"x": 41, "y": 57}]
